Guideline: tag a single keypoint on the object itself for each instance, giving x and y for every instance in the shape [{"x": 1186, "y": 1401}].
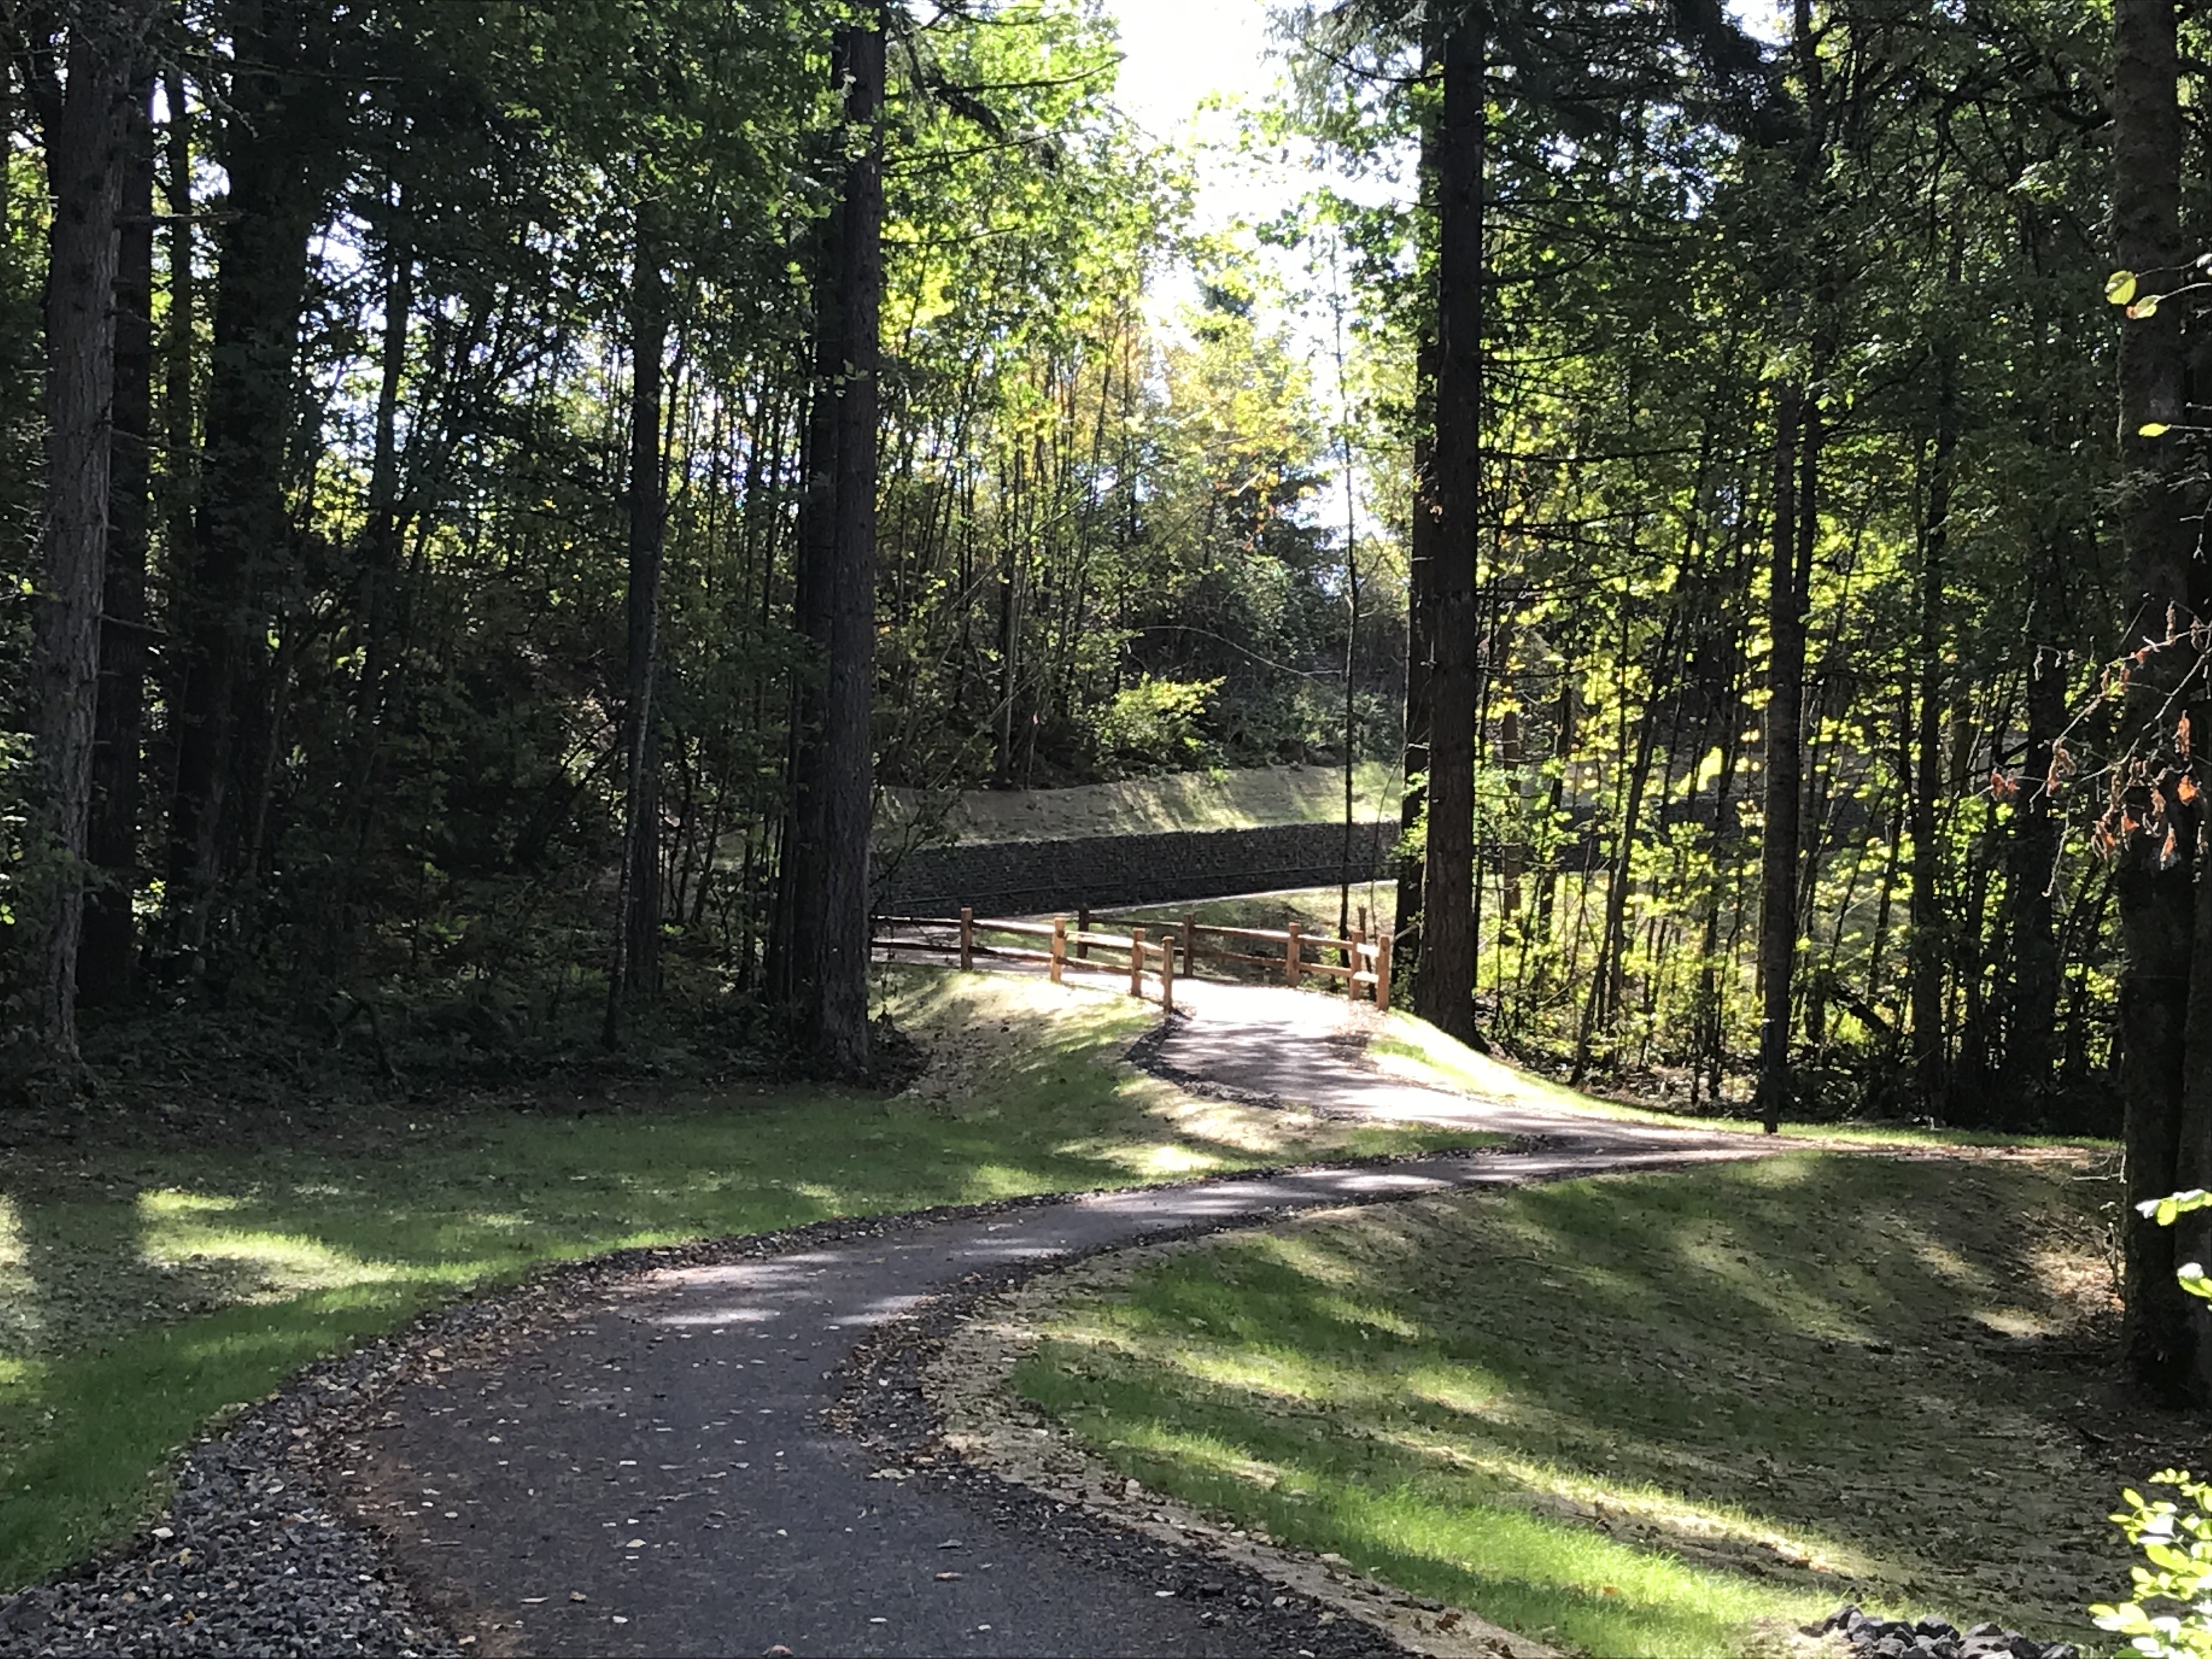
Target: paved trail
[{"x": 657, "y": 1479}]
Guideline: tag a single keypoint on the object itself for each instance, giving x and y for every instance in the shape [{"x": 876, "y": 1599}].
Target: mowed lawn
[
  {"x": 1655, "y": 1414},
  {"x": 141, "y": 1295}
]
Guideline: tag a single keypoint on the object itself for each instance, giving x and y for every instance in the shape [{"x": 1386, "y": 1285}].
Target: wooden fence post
[
  {"x": 1083, "y": 926},
  {"x": 1353, "y": 958},
  {"x": 967, "y": 937},
  {"x": 1190, "y": 945},
  {"x": 1290, "y": 957},
  {"x": 1382, "y": 971},
  {"x": 1136, "y": 961},
  {"x": 1167, "y": 975},
  {"x": 1058, "y": 947}
]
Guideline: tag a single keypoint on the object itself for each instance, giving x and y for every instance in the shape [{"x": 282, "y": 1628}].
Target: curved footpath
[{"x": 730, "y": 1455}]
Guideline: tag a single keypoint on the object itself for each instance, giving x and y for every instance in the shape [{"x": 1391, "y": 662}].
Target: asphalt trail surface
[{"x": 662, "y": 1475}]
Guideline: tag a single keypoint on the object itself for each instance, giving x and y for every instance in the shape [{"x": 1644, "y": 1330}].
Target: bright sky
[{"x": 1177, "y": 52}]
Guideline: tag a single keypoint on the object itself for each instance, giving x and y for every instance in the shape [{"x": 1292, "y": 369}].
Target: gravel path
[{"x": 705, "y": 1452}]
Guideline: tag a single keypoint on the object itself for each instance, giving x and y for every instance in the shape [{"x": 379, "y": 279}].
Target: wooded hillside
[{"x": 489, "y": 492}]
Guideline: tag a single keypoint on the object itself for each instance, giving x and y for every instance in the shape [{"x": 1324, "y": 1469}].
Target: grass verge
[
  {"x": 1414, "y": 1049},
  {"x": 1652, "y": 1415},
  {"x": 140, "y": 1295},
  {"x": 1314, "y": 908}
]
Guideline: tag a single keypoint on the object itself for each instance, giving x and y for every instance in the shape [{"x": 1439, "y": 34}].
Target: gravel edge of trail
[{"x": 894, "y": 1394}]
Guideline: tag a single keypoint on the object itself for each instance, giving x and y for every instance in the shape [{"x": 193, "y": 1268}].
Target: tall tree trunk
[
  {"x": 376, "y": 589},
  {"x": 2155, "y": 890},
  {"x": 1420, "y": 609},
  {"x": 86, "y": 122},
  {"x": 636, "y": 978},
  {"x": 1785, "y": 684},
  {"x": 1443, "y": 989},
  {"x": 278, "y": 153},
  {"x": 1601, "y": 1009},
  {"x": 105, "y": 967},
  {"x": 2031, "y": 1040},
  {"x": 1931, "y": 1050},
  {"x": 822, "y": 967}
]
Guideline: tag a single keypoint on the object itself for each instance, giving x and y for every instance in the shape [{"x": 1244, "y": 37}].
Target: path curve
[{"x": 660, "y": 1475}]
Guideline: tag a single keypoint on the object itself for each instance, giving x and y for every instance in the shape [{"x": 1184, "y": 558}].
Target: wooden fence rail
[{"x": 1361, "y": 964}]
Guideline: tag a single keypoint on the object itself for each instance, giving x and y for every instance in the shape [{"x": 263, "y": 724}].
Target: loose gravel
[{"x": 1931, "y": 1638}]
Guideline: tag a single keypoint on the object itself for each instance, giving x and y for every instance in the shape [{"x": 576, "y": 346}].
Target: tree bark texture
[
  {"x": 637, "y": 976},
  {"x": 279, "y": 152},
  {"x": 822, "y": 970},
  {"x": 1443, "y": 987},
  {"x": 86, "y": 123},
  {"x": 2155, "y": 889},
  {"x": 107, "y": 961}
]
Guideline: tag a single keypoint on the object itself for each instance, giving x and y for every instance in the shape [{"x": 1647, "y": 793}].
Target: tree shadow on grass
[
  {"x": 1759, "y": 1371},
  {"x": 142, "y": 1297}
]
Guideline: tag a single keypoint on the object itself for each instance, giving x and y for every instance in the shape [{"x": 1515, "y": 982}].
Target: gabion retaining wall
[{"x": 1027, "y": 878}]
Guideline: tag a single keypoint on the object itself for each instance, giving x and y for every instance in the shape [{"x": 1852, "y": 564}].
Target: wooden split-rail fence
[{"x": 1361, "y": 964}]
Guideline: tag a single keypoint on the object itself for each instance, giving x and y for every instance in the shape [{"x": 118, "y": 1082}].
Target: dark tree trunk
[
  {"x": 1785, "y": 683},
  {"x": 2030, "y": 1045},
  {"x": 1420, "y": 606},
  {"x": 1931, "y": 1047},
  {"x": 2155, "y": 890},
  {"x": 821, "y": 971},
  {"x": 1443, "y": 987},
  {"x": 105, "y": 967},
  {"x": 86, "y": 123},
  {"x": 277, "y": 153},
  {"x": 1601, "y": 1008},
  {"x": 376, "y": 582},
  {"x": 636, "y": 978}
]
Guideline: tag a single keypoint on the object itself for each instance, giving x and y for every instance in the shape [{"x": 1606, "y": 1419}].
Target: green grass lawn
[
  {"x": 1415, "y": 1049},
  {"x": 1314, "y": 908},
  {"x": 139, "y": 1295},
  {"x": 1642, "y": 1415}
]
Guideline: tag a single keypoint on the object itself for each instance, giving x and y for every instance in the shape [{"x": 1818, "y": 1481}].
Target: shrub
[{"x": 2176, "y": 1541}]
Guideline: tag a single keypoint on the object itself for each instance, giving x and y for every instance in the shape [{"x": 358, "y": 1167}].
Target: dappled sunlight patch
[
  {"x": 1300, "y": 1253},
  {"x": 255, "y": 1266},
  {"x": 22, "y": 1319},
  {"x": 1656, "y": 1516}
]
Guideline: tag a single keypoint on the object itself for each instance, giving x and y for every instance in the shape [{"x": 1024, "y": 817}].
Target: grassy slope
[
  {"x": 1314, "y": 908},
  {"x": 1180, "y": 800},
  {"x": 1637, "y": 1415},
  {"x": 1414, "y": 1049},
  {"x": 138, "y": 1299}
]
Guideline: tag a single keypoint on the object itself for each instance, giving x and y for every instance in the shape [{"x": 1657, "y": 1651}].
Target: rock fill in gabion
[{"x": 1931, "y": 1638}]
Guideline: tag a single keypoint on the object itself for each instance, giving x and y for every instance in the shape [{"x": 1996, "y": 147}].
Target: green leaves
[
  {"x": 2177, "y": 1544},
  {"x": 2153, "y": 429},
  {"x": 2164, "y": 1210},
  {"x": 2120, "y": 287}
]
